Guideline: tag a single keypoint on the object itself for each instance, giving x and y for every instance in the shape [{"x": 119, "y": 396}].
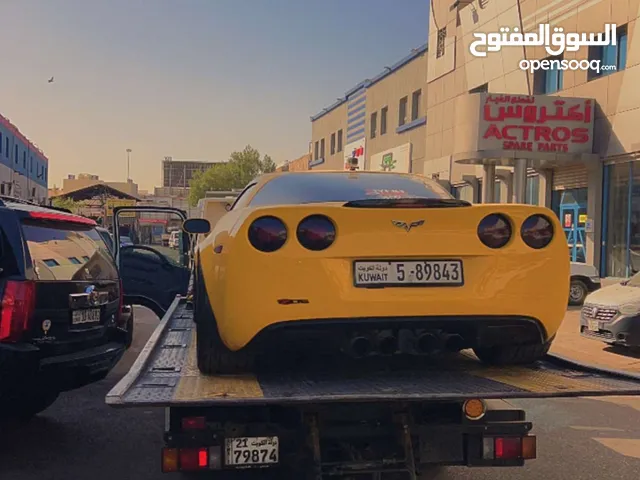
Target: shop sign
[
  {"x": 355, "y": 150},
  {"x": 116, "y": 202},
  {"x": 536, "y": 123},
  {"x": 397, "y": 159}
]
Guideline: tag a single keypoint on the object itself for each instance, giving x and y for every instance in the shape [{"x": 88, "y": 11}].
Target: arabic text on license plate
[
  {"x": 92, "y": 315},
  {"x": 414, "y": 272},
  {"x": 251, "y": 450},
  {"x": 594, "y": 325}
]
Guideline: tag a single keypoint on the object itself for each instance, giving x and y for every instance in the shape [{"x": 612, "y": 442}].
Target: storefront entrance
[
  {"x": 622, "y": 223},
  {"x": 571, "y": 208}
]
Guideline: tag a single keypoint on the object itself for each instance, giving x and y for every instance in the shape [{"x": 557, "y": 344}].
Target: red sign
[{"x": 523, "y": 123}]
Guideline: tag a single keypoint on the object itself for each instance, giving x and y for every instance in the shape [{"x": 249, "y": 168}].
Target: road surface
[{"x": 79, "y": 437}]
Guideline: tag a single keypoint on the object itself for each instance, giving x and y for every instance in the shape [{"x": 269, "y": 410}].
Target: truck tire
[
  {"x": 214, "y": 358},
  {"x": 512, "y": 354},
  {"x": 578, "y": 291}
]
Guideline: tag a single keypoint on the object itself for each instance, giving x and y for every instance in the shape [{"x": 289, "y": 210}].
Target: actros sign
[{"x": 536, "y": 124}]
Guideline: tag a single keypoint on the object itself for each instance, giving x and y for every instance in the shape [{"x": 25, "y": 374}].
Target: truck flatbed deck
[{"x": 166, "y": 375}]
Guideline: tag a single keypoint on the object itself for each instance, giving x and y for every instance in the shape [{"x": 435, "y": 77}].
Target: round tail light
[
  {"x": 316, "y": 232},
  {"x": 494, "y": 230},
  {"x": 537, "y": 231},
  {"x": 267, "y": 234}
]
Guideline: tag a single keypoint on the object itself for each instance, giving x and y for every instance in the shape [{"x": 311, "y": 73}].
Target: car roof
[{"x": 25, "y": 207}]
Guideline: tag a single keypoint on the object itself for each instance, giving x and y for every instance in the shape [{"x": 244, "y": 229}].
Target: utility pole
[{"x": 128, "y": 162}]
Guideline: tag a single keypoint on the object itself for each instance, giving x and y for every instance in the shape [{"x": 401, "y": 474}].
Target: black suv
[{"x": 62, "y": 321}]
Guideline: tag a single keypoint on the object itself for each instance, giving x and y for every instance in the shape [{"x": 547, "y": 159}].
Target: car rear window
[
  {"x": 296, "y": 188},
  {"x": 8, "y": 263},
  {"x": 68, "y": 253}
]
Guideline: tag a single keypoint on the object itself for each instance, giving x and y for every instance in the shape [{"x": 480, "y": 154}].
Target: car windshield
[{"x": 297, "y": 188}]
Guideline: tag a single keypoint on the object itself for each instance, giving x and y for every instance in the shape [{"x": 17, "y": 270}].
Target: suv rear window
[
  {"x": 8, "y": 264},
  {"x": 68, "y": 253},
  {"x": 295, "y": 188}
]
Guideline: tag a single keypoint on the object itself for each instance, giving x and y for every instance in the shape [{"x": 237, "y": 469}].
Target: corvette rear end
[{"x": 391, "y": 274}]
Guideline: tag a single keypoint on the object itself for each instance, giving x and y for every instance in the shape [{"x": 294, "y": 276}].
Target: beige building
[
  {"x": 300, "y": 164},
  {"x": 83, "y": 180},
  {"x": 381, "y": 121},
  {"x": 566, "y": 139}
]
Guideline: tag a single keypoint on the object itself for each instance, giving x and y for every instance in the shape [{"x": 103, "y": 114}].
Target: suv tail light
[
  {"x": 267, "y": 234},
  {"x": 316, "y": 232},
  {"x": 16, "y": 309}
]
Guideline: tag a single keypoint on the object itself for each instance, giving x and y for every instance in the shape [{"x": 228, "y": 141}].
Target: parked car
[
  {"x": 174, "y": 239},
  {"x": 62, "y": 324},
  {"x": 612, "y": 314},
  {"x": 584, "y": 280}
]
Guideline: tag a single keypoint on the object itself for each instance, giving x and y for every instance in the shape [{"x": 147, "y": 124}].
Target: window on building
[
  {"x": 442, "y": 35},
  {"x": 333, "y": 143},
  {"x": 1, "y": 188},
  {"x": 339, "y": 140},
  {"x": 533, "y": 190},
  {"x": 549, "y": 81},
  {"x": 415, "y": 104},
  {"x": 383, "y": 120},
  {"x": 15, "y": 157},
  {"x": 31, "y": 164},
  {"x": 374, "y": 124},
  {"x": 322, "y": 148},
  {"x": 316, "y": 150},
  {"x": 484, "y": 88},
  {"x": 402, "y": 112},
  {"x": 24, "y": 160},
  {"x": 614, "y": 57},
  {"x": 0, "y": 142},
  {"x": 6, "y": 146}
]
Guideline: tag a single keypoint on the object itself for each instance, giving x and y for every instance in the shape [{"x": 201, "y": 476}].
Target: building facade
[
  {"x": 179, "y": 173},
  {"x": 300, "y": 164},
  {"x": 381, "y": 121},
  {"x": 24, "y": 169},
  {"x": 492, "y": 137}
]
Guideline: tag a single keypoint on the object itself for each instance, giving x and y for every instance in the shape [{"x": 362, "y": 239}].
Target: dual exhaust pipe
[{"x": 386, "y": 343}]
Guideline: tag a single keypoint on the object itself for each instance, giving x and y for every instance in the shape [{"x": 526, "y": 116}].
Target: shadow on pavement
[{"x": 624, "y": 351}]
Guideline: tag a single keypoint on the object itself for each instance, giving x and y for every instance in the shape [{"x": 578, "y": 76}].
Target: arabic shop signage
[
  {"x": 554, "y": 40},
  {"x": 536, "y": 123}
]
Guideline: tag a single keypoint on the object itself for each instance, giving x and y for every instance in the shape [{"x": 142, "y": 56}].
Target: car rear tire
[
  {"x": 214, "y": 358},
  {"x": 578, "y": 291},
  {"x": 512, "y": 354}
]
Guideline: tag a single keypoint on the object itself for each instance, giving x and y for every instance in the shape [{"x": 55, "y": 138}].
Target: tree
[
  {"x": 68, "y": 203},
  {"x": 241, "y": 168}
]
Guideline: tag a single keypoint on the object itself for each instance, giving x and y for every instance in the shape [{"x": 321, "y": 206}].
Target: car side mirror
[
  {"x": 227, "y": 207},
  {"x": 196, "y": 226}
]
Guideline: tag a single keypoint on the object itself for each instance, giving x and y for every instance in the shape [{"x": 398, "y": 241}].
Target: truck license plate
[
  {"x": 251, "y": 451},
  {"x": 79, "y": 317},
  {"x": 594, "y": 325}
]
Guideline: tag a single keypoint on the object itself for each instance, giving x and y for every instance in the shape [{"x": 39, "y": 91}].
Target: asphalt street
[{"x": 79, "y": 437}]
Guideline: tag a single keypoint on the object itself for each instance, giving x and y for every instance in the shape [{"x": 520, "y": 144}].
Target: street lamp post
[{"x": 128, "y": 162}]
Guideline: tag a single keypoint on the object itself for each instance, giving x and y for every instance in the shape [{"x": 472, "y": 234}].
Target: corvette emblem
[
  {"x": 46, "y": 326},
  {"x": 407, "y": 226}
]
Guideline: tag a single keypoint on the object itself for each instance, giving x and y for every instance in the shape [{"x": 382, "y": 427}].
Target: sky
[{"x": 191, "y": 79}]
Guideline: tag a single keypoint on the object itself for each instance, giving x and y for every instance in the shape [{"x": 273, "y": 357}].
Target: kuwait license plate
[
  {"x": 79, "y": 317},
  {"x": 251, "y": 451},
  {"x": 594, "y": 325},
  {"x": 408, "y": 272}
]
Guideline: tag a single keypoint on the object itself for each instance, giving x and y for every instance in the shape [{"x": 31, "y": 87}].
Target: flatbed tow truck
[
  {"x": 321, "y": 422},
  {"x": 378, "y": 418}
]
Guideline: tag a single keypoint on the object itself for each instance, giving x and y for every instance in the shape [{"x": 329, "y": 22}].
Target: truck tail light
[
  {"x": 191, "y": 459},
  {"x": 16, "y": 309},
  {"x": 193, "y": 423},
  {"x": 509, "y": 448}
]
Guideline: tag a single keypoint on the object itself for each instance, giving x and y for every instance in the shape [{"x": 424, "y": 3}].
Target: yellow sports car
[{"x": 376, "y": 263}]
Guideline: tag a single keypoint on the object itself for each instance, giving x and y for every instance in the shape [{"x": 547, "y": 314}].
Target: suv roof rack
[{"x": 29, "y": 202}]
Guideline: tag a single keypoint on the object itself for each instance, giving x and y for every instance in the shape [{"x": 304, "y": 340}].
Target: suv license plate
[
  {"x": 594, "y": 325},
  {"x": 80, "y": 317},
  {"x": 243, "y": 451}
]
